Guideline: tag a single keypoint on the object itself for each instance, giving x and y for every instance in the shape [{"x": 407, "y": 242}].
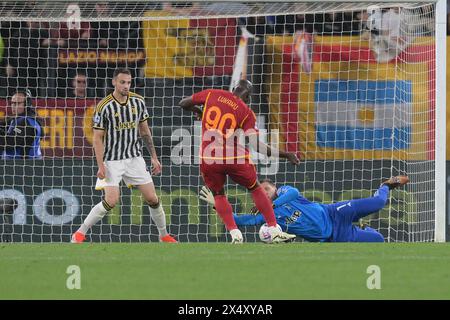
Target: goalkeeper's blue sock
[{"x": 96, "y": 214}]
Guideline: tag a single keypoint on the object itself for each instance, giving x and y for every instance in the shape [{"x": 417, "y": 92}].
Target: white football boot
[{"x": 279, "y": 236}]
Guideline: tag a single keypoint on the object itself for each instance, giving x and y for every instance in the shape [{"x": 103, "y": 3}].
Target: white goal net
[{"x": 349, "y": 86}]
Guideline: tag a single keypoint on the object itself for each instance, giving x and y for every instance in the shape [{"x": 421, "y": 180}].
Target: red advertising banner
[{"x": 67, "y": 126}]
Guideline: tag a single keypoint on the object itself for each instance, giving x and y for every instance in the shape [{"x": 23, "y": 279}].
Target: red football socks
[
  {"x": 224, "y": 210},
  {"x": 264, "y": 206}
]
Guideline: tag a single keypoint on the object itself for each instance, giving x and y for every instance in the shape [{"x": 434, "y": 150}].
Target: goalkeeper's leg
[
  {"x": 367, "y": 235},
  {"x": 364, "y": 207},
  {"x": 353, "y": 210},
  {"x": 97, "y": 213}
]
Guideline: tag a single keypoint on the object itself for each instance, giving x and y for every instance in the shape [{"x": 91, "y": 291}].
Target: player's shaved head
[{"x": 243, "y": 90}]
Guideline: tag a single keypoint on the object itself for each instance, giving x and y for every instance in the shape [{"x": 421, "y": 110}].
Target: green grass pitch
[{"x": 190, "y": 271}]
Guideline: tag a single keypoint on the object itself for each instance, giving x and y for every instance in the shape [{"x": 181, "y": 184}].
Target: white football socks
[
  {"x": 159, "y": 218},
  {"x": 96, "y": 214}
]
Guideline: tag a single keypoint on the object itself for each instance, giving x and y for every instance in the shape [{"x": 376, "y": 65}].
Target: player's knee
[
  {"x": 111, "y": 202},
  {"x": 153, "y": 202}
]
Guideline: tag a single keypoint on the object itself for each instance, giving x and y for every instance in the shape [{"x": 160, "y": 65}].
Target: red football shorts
[{"x": 215, "y": 175}]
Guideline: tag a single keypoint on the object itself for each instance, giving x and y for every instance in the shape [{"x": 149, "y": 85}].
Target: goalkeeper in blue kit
[{"x": 316, "y": 222}]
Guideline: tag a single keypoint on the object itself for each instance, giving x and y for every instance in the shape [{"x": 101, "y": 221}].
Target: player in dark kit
[
  {"x": 21, "y": 134},
  {"x": 224, "y": 116}
]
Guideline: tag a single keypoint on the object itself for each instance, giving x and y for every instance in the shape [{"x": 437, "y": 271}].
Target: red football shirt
[{"x": 223, "y": 115}]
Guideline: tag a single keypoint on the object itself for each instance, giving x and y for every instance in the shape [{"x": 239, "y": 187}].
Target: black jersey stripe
[{"x": 121, "y": 125}]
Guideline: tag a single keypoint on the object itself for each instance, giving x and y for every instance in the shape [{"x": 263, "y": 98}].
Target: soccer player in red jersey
[{"x": 224, "y": 115}]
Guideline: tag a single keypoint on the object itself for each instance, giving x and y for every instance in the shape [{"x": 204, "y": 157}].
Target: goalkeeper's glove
[
  {"x": 207, "y": 196},
  {"x": 255, "y": 210}
]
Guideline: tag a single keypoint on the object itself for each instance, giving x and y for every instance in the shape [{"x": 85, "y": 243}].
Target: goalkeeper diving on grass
[{"x": 317, "y": 222}]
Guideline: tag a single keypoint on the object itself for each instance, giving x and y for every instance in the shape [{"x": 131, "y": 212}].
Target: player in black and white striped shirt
[
  {"x": 120, "y": 123},
  {"x": 119, "y": 120}
]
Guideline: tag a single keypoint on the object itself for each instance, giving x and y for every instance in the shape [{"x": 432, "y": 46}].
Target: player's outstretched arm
[
  {"x": 265, "y": 149},
  {"x": 248, "y": 219},
  {"x": 189, "y": 105}
]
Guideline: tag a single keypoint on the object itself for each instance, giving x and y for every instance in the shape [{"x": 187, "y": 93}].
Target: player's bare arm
[
  {"x": 146, "y": 136},
  {"x": 290, "y": 156},
  {"x": 265, "y": 149},
  {"x": 189, "y": 105},
  {"x": 99, "y": 152}
]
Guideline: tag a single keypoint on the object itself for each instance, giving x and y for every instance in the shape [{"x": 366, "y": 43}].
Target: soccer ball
[{"x": 264, "y": 233}]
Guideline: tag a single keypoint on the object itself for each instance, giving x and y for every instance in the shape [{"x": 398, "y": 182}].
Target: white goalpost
[
  {"x": 441, "y": 128},
  {"x": 356, "y": 89}
]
